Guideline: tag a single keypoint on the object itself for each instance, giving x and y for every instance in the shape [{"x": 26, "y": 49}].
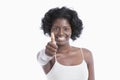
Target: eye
[
  {"x": 55, "y": 29},
  {"x": 66, "y": 29}
]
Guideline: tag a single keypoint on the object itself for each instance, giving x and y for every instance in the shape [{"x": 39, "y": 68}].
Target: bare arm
[
  {"x": 51, "y": 49},
  {"x": 90, "y": 64}
]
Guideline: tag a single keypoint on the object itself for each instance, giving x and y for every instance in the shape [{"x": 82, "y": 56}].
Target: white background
[{"x": 21, "y": 37}]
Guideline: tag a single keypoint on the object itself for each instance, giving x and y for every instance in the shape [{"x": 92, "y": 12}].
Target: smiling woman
[
  {"x": 59, "y": 59},
  {"x": 62, "y": 30}
]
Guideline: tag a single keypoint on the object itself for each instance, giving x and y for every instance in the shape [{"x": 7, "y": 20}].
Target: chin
[{"x": 61, "y": 43}]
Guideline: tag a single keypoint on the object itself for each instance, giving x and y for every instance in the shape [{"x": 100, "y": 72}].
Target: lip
[{"x": 61, "y": 39}]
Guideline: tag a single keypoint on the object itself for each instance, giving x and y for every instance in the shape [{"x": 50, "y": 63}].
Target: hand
[{"x": 51, "y": 47}]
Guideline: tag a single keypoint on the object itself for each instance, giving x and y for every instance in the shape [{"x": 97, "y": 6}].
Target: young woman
[{"x": 59, "y": 59}]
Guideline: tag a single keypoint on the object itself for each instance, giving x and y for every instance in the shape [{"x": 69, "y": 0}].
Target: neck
[{"x": 63, "y": 48}]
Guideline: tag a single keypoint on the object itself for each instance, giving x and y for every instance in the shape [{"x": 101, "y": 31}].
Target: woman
[{"x": 59, "y": 59}]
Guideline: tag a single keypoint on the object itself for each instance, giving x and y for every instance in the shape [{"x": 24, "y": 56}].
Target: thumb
[{"x": 53, "y": 38}]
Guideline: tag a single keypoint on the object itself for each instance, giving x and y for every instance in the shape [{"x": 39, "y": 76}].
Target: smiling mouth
[{"x": 61, "y": 38}]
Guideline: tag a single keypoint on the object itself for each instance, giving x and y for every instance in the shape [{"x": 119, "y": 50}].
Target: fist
[{"x": 51, "y": 47}]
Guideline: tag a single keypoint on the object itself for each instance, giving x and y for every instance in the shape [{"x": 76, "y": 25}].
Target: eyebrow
[{"x": 59, "y": 26}]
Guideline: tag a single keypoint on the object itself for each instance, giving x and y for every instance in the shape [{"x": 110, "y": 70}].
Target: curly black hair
[{"x": 66, "y": 13}]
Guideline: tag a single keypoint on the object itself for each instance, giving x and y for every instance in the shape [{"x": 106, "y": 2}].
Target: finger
[
  {"x": 51, "y": 48},
  {"x": 49, "y": 52},
  {"x": 52, "y": 45},
  {"x": 52, "y": 37}
]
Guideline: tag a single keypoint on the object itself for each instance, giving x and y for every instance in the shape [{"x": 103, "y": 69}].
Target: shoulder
[
  {"x": 73, "y": 48},
  {"x": 86, "y": 52},
  {"x": 87, "y": 55}
]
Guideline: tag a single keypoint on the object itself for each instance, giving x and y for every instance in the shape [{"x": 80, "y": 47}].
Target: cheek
[{"x": 69, "y": 34}]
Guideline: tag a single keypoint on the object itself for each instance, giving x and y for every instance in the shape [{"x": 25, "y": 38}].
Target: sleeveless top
[{"x": 62, "y": 72}]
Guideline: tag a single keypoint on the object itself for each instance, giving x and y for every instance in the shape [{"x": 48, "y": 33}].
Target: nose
[{"x": 61, "y": 32}]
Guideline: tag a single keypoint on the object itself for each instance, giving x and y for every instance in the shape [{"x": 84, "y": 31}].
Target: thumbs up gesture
[{"x": 51, "y": 47}]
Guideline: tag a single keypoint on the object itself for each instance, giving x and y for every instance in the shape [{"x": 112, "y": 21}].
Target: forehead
[{"x": 61, "y": 21}]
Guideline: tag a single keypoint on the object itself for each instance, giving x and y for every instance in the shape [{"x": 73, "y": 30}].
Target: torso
[
  {"x": 72, "y": 58},
  {"x": 71, "y": 66}
]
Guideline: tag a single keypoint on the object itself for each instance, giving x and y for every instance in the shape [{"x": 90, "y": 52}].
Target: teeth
[{"x": 61, "y": 38}]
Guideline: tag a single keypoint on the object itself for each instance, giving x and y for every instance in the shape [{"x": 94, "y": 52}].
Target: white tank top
[{"x": 62, "y": 72}]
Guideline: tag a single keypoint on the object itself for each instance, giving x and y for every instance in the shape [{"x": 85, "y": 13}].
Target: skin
[{"x": 66, "y": 54}]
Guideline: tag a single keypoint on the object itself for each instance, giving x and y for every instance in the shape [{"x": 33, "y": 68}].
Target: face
[{"x": 62, "y": 31}]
